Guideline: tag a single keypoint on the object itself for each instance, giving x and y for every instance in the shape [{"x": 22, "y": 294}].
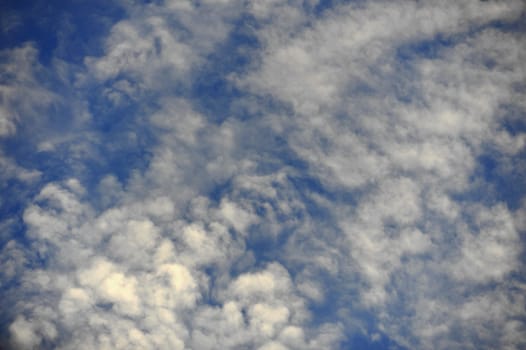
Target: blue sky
[{"x": 242, "y": 174}]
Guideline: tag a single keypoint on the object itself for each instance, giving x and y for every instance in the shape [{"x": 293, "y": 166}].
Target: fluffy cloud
[
  {"x": 343, "y": 192},
  {"x": 113, "y": 271}
]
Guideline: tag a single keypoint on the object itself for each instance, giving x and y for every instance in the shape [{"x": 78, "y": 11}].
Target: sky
[{"x": 269, "y": 175}]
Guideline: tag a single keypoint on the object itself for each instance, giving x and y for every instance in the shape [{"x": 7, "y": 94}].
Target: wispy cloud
[{"x": 349, "y": 193}]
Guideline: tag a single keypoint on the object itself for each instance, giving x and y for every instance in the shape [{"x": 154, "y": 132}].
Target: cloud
[
  {"x": 117, "y": 269},
  {"x": 493, "y": 251},
  {"x": 402, "y": 135},
  {"x": 342, "y": 194},
  {"x": 22, "y": 95}
]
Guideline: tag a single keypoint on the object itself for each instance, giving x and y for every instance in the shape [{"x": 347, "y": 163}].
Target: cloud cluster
[
  {"x": 134, "y": 277},
  {"x": 343, "y": 195},
  {"x": 405, "y": 135}
]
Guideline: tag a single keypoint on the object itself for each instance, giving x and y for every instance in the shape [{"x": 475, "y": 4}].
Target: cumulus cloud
[{"x": 342, "y": 197}]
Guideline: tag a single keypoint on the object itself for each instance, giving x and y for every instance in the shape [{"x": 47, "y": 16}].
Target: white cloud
[
  {"x": 404, "y": 136},
  {"x": 272, "y": 346},
  {"x": 22, "y": 95},
  {"x": 114, "y": 272},
  {"x": 361, "y": 184},
  {"x": 239, "y": 218},
  {"x": 265, "y": 318},
  {"x": 491, "y": 251},
  {"x": 159, "y": 45},
  {"x": 23, "y": 334},
  {"x": 112, "y": 285},
  {"x": 274, "y": 280},
  {"x": 134, "y": 46},
  {"x": 11, "y": 170},
  {"x": 181, "y": 289}
]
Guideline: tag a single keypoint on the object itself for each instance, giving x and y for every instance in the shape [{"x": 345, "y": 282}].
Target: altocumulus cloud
[{"x": 238, "y": 174}]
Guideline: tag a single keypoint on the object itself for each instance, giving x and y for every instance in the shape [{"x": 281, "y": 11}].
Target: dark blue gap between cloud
[{"x": 69, "y": 30}]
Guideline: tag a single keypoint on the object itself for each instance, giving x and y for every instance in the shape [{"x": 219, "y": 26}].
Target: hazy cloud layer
[{"x": 267, "y": 175}]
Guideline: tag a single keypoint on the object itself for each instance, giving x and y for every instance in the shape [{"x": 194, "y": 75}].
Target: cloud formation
[{"x": 268, "y": 175}]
